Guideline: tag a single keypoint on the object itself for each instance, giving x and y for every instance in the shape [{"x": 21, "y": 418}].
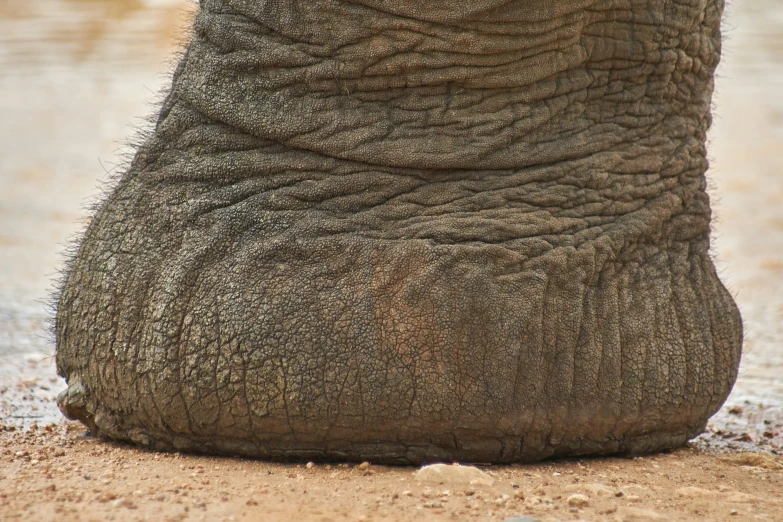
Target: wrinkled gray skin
[{"x": 410, "y": 231}]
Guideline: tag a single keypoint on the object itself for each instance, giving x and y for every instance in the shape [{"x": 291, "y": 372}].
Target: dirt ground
[
  {"x": 57, "y": 473},
  {"x": 77, "y": 74}
]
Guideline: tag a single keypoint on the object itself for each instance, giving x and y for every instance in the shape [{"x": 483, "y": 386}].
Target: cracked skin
[{"x": 412, "y": 231}]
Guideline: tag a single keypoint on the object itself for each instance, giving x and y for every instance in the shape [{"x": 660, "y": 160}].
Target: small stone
[
  {"x": 251, "y": 502},
  {"x": 406, "y": 493},
  {"x": 578, "y": 500},
  {"x": 121, "y": 502},
  {"x": 107, "y": 497},
  {"x": 733, "y": 512},
  {"x": 446, "y": 474},
  {"x": 519, "y": 494},
  {"x": 310, "y": 465},
  {"x": 632, "y": 498},
  {"x": 363, "y": 466},
  {"x": 593, "y": 488}
]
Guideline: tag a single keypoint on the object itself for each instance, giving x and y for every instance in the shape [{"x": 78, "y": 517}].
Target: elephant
[{"x": 406, "y": 232}]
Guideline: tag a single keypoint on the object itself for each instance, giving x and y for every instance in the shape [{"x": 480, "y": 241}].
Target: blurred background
[{"x": 77, "y": 77}]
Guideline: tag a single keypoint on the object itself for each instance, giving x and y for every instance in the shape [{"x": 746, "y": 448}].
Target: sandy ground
[{"x": 77, "y": 74}]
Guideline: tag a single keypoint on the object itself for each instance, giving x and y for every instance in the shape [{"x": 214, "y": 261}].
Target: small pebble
[
  {"x": 578, "y": 500},
  {"x": 363, "y": 466},
  {"x": 445, "y": 474},
  {"x": 121, "y": 502}
]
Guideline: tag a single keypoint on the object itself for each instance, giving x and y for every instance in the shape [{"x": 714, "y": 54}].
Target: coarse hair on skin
[
  {"x": 715, "y": 195},
  {"x": 141, "y": 132}
]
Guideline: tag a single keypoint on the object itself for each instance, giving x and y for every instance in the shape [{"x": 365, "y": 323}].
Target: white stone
[
  {"x": 594, "y": 488},
  {"x": 578, "y": 500},
  {"x": 445, "y": 474}
]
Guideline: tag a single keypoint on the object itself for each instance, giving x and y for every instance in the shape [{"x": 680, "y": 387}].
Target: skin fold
[{"x": 412, "y": 231}]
